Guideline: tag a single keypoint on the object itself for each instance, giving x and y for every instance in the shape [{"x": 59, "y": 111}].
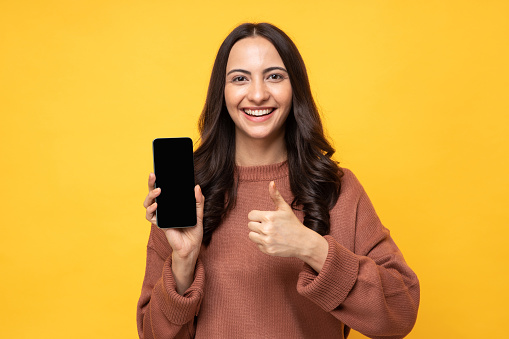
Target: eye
[
  {"x": 276, "y": 77},
  {"x": 239, "y": 78}
]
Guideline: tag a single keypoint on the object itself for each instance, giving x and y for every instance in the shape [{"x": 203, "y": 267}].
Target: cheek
[
  {"x": 231, "y": 103},
  {"x": 285, "y": 97},
  {"x": 232, "y": 97},
  {"x": 227, "y": 97}
]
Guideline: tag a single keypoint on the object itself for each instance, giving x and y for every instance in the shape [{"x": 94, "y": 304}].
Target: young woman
[{"x": 287, "y": 244}]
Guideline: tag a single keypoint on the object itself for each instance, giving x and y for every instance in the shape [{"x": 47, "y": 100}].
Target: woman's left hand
[{"x": 280, "y": 233}]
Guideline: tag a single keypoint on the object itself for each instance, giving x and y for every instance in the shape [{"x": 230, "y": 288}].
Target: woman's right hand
[{"x": 185, "y": 242}]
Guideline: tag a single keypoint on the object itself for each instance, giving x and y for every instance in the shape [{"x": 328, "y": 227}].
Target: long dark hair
[{"x": 314, "y": 176}]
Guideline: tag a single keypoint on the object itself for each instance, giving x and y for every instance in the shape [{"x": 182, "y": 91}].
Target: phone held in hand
[{"x": 174, "y": 170}]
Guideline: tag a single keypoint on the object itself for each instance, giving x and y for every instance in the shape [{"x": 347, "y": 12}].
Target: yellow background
[{"x": 414, "y": 95}]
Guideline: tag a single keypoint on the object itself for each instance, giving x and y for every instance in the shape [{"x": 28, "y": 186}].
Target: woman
[{"x": 287, "y": 244}]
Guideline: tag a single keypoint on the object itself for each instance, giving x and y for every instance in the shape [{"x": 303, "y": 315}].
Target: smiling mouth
[{"x": 258, "y": 112}]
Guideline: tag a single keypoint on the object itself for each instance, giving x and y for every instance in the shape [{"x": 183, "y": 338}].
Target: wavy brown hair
[{"x": 315, "y": 179}]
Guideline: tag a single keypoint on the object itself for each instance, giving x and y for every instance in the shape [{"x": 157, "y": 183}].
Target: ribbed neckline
[{"x": 264, "y": 172}]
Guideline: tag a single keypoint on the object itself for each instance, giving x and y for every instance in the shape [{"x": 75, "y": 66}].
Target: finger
[
  {"x": 256, "y": 215},
  {"x": 256, "y": 238},
  {"x": 151, "y": 196},
  {"x": 151, "y": 213},
  {"x": 200, "y": 203},
  {"x": 151, "y": 181},
  {"x": 255, "y": 226},
  {"x": 276, "y": 197}
]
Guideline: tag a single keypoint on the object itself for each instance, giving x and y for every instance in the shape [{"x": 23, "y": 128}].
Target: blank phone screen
[{"x": 174, "y": 170}]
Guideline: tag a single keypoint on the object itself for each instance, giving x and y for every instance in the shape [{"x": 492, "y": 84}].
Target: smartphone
[{"x": 174, "y": 170}]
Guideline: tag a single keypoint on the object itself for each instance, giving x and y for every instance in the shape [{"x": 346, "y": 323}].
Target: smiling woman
[
  {"x": 314, "y": 177},
  {"x": 258, "y": 96},
  {"x": 287, "y": 243}
]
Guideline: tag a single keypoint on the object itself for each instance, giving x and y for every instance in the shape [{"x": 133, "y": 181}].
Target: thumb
[
  {"x": 200, "y": 202},
  {"x": 277, "y": 197}
]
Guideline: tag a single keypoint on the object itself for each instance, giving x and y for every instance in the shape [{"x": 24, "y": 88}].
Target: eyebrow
[{"x": 267, "y": 70}]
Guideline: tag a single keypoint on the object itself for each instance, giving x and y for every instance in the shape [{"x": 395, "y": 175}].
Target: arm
[
  {"x": 369, "y": 287},
  {"x": 174, "y": 277},
  {"x": 162, "y": 312}
]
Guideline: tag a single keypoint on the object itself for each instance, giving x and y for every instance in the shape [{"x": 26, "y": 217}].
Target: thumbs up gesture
[{"x": 280, "y": 233}]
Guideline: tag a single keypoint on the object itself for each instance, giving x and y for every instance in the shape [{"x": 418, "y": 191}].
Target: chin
[{"x": 262, "y": 135}]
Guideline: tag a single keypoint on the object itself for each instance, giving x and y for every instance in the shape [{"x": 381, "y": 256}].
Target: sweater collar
[{"x": 263, "y": 173}]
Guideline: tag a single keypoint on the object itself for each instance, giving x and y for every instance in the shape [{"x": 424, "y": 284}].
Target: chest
[{"x": 232, "y": 255}]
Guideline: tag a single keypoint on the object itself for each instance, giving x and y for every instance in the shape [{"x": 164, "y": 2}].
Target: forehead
[{"x": 253, "y": 52}]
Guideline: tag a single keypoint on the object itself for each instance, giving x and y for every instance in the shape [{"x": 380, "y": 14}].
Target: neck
[{"x": 258, "y": 152}]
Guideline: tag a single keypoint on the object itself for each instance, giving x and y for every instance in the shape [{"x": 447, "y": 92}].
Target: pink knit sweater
[{"x": 239, "y": 292}]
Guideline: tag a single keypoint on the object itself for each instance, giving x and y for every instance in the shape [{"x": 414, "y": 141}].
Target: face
[{"x": 258, "y": 92}]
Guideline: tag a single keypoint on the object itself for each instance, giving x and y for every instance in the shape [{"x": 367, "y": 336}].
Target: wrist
[
  {"x": 315, "y": 250},
  {"x": 183, "y": 272},
  {"x": 188, "y": 258},
  {"x": 183, "y": 265}
]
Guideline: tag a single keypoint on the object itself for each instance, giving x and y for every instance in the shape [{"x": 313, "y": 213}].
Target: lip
[{"x": 258, "y": 114}]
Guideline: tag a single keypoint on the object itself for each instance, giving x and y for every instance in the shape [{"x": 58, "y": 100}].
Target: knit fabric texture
[{"x": 240, "y": 292}]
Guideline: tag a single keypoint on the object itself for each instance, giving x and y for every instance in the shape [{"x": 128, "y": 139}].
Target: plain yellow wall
[{"x": 414, "y": 95}]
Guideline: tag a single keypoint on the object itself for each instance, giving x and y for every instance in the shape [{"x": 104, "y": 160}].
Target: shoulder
[
  {"x": 351, "y": 188},
  {"x": 353, "y": 213},
  {"x": 350, "y": 194},
  {"x": 352, "y": 199}
]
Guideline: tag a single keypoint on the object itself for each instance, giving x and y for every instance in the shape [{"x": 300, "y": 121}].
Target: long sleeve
[
  {"x": 365, "y": 282},
  {"x": 162, "y": 312}
]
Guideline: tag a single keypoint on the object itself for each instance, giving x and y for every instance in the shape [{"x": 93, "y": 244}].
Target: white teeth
[{"x": 259, "y": 112}]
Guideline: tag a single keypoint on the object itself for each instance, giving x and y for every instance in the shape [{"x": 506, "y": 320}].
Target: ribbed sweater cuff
[
  {"x": 331, "y": 286},
  {"x": 180, "y": 309}
]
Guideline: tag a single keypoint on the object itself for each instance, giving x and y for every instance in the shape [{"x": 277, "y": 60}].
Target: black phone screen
[{"x": 174, "y": 170}]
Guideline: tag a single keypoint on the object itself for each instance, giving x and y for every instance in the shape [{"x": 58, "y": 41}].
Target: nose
[{"x": 258, "y": 91}]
